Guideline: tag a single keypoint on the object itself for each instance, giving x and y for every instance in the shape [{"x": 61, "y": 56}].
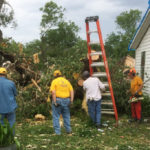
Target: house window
[{"x": 142, "y": 65}]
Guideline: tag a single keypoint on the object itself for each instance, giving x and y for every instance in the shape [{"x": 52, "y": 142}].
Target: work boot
[
  {"x": 99, "y": 126},
  {"x": 69, "y": 133},
  {"x": 132, "y": 120},
  {"x": 139, "y": 121}
]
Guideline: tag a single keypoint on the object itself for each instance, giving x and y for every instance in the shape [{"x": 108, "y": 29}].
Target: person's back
[
  {"x": 92, "y": 85},
  {"x": 62, "y": 87},
  {"x": 7, "y": 95}
]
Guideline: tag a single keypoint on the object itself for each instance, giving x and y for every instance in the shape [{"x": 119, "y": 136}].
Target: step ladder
[{"x": 108, "y": 102}]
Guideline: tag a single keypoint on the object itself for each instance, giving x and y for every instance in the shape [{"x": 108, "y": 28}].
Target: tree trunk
[
  {"x": 1, "y": 4},
  {"x": 1, "y": 36}
]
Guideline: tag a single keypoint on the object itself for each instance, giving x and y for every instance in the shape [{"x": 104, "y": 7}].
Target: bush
[
  {"x": 146, "y": 106},
  {"x": 120, "y": 86},
  {"x": 6, "y": 135}
]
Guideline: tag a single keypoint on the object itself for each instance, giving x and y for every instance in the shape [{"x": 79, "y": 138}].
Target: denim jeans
[
  {"x": 94, "y": 110},
  {"x": 62, "y": 108},
  {"x": 11, "y": 117}
]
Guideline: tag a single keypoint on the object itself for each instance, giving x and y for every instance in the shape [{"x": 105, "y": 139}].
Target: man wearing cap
[
  {"x": 62, "y": 95},
  {"x": 92, "y": 86},
  {"x": 136, "y": 91},
  {"x": 7, "y": 98}
]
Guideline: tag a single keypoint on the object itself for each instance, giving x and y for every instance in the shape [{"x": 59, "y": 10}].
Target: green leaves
[
  {"x": 117, "y": 43},
  {"x": 6, "y": 135},
  {"x": 127, "y": 21},
  {"x": 52, "y": 15},
  {"x": 56, "y": 33},
  {"x": 6, "y": 15}
]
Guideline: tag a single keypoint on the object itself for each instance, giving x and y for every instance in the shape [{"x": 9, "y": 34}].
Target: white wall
[{"x": 144, "y": 46}]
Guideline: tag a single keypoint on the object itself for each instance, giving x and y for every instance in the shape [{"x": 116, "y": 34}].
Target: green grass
[{"x": 40, "y": 136}]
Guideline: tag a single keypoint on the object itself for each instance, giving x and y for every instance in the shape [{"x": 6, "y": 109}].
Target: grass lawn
[{"x": 40, "y": 135}]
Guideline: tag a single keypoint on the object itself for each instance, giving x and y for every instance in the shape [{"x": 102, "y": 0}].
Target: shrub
[
  {"x": 7, "y": 135},
  {"x": 120, "y": 86},
  {"x": 146, "y": 106}
]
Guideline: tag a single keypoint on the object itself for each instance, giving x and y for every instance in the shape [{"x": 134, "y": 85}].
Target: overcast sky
[{"x": 28, "y": 16}]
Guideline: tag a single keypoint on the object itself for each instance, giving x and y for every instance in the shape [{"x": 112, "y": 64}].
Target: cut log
[
  {"x": 34, "y": 82},
  {"x": 29, "y": 86},
  {"x": 93, "y": 57}
]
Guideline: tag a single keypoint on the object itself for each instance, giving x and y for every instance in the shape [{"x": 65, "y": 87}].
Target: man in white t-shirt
[{"x": 93, "y": 87}]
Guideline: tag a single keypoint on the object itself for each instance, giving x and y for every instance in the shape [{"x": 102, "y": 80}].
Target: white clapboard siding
[{"x": 144, "y": 46}]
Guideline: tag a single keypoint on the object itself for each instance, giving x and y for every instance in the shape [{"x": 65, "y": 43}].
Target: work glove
[{"x": 136, "y": 94}]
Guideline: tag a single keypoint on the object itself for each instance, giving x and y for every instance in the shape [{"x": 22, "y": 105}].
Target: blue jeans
[
  {"x": 11, "y": 117},
  {"x": 94, "y": 110},
  {"x": 62, "y": 108}
]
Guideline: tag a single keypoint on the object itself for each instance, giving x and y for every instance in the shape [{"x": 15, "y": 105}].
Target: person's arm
[
  {"x": 14, "y": 89},
  {"x": 54, "y": 96},
  {"x": 140, "y": 88},
  {"x": 53, "y": 92},
  {"x": 71, "y": 92},
  {"x": 101, "y": 85},
  {"x": 71, "y": 96}
]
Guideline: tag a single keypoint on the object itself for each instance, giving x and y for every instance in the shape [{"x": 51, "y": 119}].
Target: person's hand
[
  {"x": 136, "y": 94},
  {"x": 71, "y": 103},
  {"x": 56, "y": 105}
]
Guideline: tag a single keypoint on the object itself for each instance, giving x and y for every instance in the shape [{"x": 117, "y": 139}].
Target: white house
[{"x": 141, "y": 44}]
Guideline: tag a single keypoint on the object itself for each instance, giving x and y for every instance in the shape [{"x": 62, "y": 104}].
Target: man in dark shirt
[{"x": 7, "y": 98}]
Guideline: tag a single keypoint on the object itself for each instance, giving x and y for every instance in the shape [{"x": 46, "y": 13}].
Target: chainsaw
[{"x": 135, "y": 99}]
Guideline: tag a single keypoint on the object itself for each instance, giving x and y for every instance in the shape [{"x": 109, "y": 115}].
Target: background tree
[
  {"x": 6, "y": 16},
  {"x": 56, "y": 34},
  {"x": 117, "y": 43},
  {"x": 32, "y": 47}
]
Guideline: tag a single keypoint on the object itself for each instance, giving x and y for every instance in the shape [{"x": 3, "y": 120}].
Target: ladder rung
[
  {"x": 92, "y": 18},
  {"x": 94, "y": 43},
  {"x": 92, "y": 32},
  {"x": 108, "y": 112},
  {"x": 97, "y": 64},
  {"x": 106, "y": 84},
  {"x": 99, "y": 74},
  {"x": 96, "y": 53},
  {"x": 106, "y": 102},
  {"x": 107, "y": 93}
]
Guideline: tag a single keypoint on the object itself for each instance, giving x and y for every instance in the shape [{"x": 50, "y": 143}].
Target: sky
[{"x": 28, "y": 15}]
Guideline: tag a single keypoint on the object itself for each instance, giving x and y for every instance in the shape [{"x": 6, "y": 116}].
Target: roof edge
[{"x": 129, "y": 47}]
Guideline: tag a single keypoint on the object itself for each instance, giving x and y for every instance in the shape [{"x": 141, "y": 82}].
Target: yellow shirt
[
  {"x": 136, "y": 82},
  {"x": 62, "y": 87}
]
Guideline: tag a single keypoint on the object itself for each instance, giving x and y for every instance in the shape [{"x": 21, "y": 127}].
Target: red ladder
[{"x": 106, "y": 104}]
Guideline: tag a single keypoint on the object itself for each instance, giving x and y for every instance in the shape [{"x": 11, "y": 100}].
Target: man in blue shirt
[{"x": 7, "y": 98}]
